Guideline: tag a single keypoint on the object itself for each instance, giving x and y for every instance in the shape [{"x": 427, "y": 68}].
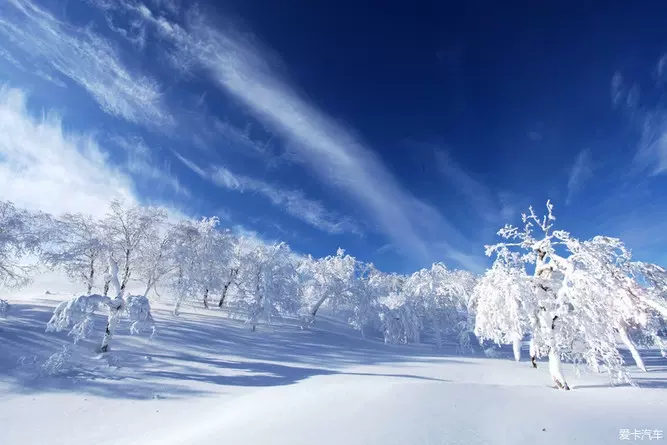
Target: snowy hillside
[{"x": 205, "y": 379}]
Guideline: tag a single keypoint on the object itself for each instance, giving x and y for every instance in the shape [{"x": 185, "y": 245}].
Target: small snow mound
[{"x": 138, "y": 309}]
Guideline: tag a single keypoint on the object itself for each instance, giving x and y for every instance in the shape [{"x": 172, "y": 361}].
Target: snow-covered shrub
[
  {"x": 57, "y": 362},
  {"x": 138, "y": 311},
  {"x": 4, "y": 308},
  {"x": 77, "y": 315}
]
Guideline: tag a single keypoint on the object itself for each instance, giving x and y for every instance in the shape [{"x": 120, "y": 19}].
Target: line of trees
[
  {"x": 198, "y": 262},
  {"x": 574, "y": 299}
]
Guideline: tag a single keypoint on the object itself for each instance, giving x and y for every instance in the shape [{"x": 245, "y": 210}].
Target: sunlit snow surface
[{"x": 206, "y": 379}]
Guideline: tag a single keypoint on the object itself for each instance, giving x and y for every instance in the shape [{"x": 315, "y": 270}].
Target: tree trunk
[
  {"x": 107, "y": 283},
  {"x": 114, "y": 316},
  {"x": 126, "y": 272},
  {"x": 319, "y": 303},
  {"x": 555, "y": 369},
  {"x": 91, "y": 275},
  {"x": 232, "y": 275},
  {"x": 437, "y": 332},
  {"x": 516, "y": 347},
  {"x": 148, "y": 287},
  {"x": 623, "y": 333}
]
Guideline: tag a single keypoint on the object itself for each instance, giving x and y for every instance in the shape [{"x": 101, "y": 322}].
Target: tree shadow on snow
[{"x": 189, "y": 354}]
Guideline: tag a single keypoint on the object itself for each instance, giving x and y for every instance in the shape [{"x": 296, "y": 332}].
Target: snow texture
[{"x": 207, "y": 379}]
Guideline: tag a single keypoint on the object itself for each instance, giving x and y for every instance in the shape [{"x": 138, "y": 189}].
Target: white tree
[
  {"x": 573, "y": 306},
  {"x": 77, "y": 246},
  {"x": 214, "y": 253},
  {"x": 20, "y": 235},
  {"x": 267, "y": 281},
  {"x": 184, "y": 281},
  {"x": 201, "y": 254},
  {"x": 155, "y": 258},
  {"x": 128, "y": 230},
  {"x": 442, "y": 296},
  {"x": 77, "y": 315},
  {"x": 332, "y": 278},
  {"x": 499, "y": 300},
  {"x": 397, "y": 315}
]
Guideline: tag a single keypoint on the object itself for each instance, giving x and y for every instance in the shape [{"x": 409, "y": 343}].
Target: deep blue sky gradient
[{"x": 477, "y": 109}]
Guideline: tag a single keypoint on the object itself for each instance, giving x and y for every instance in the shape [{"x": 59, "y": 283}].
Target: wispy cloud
[
  {"x": 192, "y": 166},
  {"x": 43, "y": 168},
  {"x": 333, "y": 152},
  {"x": 650, "y": 121},
  {"x": 9, "y": 57},
  {"x": 337, "y": 156},
  {"x": 241, "y": 138},
  {"x": 87, "y": 59},
  {"x": 492, "y": 207},
  {"x": 652, "y": 152},
  {"x": 580, "y": 172},
  {"x": 143, "y": 165},
  {"x": 477, "y": 194},
  {"x": 293, "y": 202}
]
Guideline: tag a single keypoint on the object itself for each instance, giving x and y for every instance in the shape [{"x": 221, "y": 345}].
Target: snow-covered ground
[{"x": 206, "y": 379}]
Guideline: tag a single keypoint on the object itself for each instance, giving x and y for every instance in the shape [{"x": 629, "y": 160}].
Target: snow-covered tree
[
  {"x": 267, "y": 281},
  {"x": 201, "y": 255},
  {"x": 183, "y": 283},
  {"x": 498, "y": 301},
  {"x": 214, "y": 254},
  {"x": 77, "y": 315},
  {"x": 575, "y": 300},
  {"x": 441, "y": 296},
  {"x": 20, "y": 235},
  {"x": 76, "y": 245},
  {"x": 155, "y": 259},
  {"x": 128, "y": 230},
  {"x": 397, "y": 315},
  {"x": 333, "y": 278}
]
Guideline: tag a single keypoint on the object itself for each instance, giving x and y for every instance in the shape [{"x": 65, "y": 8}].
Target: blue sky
[{"x": 405, "y": 134}]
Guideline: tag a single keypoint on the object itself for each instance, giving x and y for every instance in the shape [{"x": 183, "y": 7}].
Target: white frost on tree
[
  {"x": 397, "y": 316},
  {"x": 77, "y": 315},
  {"x": 442, "y": 297},
  {"x": 268, "y": 282},
  {"x": 20, "y": 235},
  {"x": 331, "y": 279},
  {"x": 77, "y": 247},
  {"x": 128, "y": 230},
  {"x": 575, "y": 299}
]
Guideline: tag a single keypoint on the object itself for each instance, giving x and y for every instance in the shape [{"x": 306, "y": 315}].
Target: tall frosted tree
[
  {"x": 575, "y": 298},
  {"x": 127, "y": 230},
  {"x": 20, "y": 235},
  {"x": 76, "y": 246}
]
